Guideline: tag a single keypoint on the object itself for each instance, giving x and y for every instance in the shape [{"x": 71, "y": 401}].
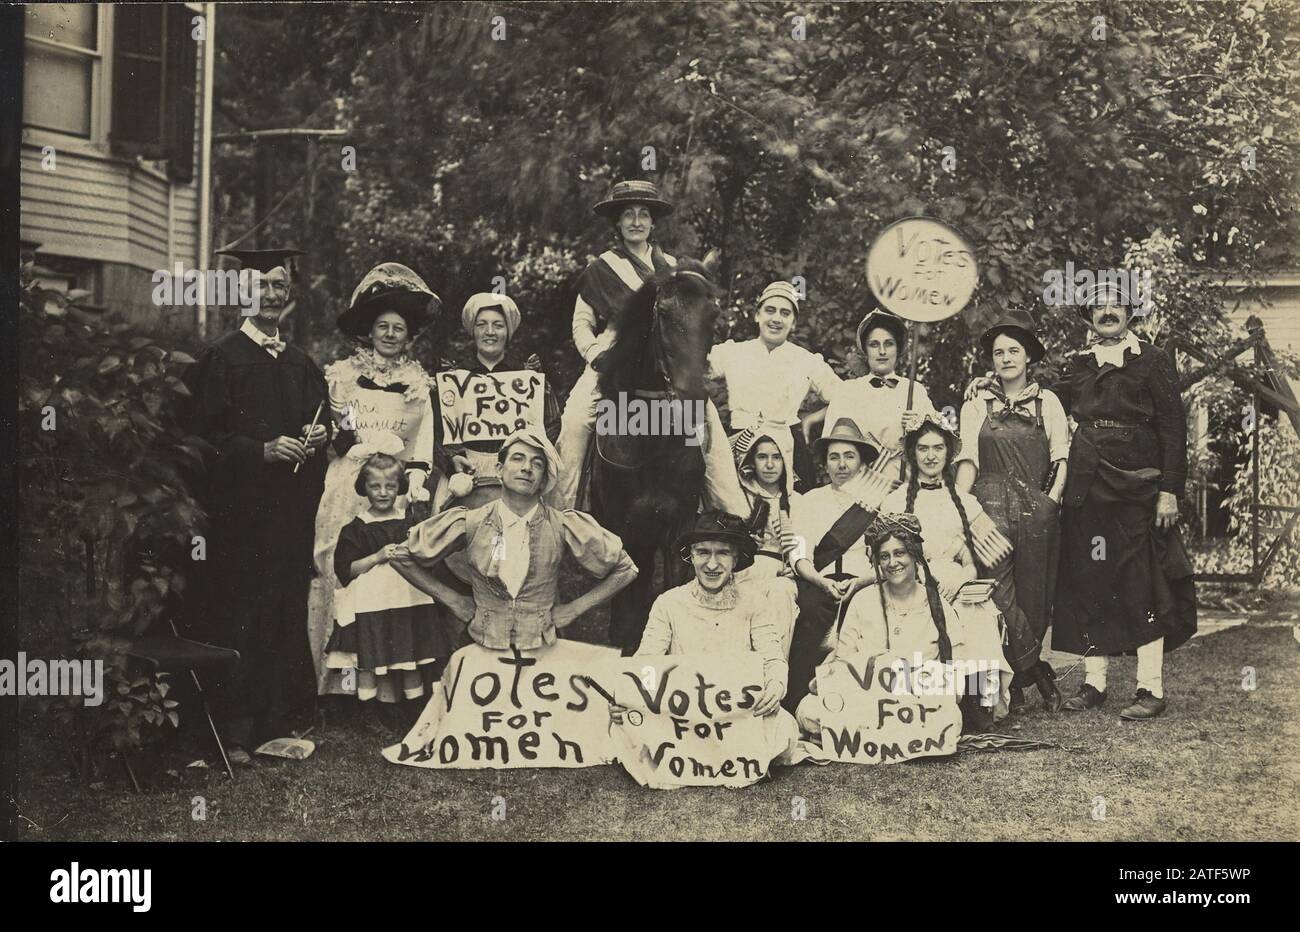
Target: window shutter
[
  {"x": 182, "y": 63},
  {"x": 138, "y": 80}
]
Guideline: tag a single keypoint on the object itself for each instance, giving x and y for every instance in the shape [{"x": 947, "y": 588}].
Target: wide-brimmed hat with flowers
[{"x": 389, "y": 286}]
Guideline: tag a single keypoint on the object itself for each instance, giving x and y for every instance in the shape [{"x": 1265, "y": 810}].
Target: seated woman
[
  {"x": 712, "y": 614},
  {"x": 948, "y": 518},
  {"x": 765, "y": 477},
  {"x": 830, "y": 559},
  {"x": 514, "y": 547},
  {"x": 908, "y": 618}
]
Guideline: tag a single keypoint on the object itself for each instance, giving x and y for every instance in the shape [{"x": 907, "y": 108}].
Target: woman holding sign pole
[
  {"x": 491, "y": 320},
  {"x": 380, "y": 403}
]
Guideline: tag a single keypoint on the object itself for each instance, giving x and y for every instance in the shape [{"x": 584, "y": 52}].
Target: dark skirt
[
  {"x": 399, "y": 638},
  {"x": 1027, "y": 585},
  {"x": 1140, "y": 591},
  {"x": 811, "y": 641}
]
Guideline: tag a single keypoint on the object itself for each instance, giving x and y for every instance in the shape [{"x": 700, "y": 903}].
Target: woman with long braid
[
  {"x": 959, "y": 539},
  {"x": 908, "y": 619}
]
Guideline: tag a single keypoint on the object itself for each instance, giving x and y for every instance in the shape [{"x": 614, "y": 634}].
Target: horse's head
[{"x": 665, "y": 332}]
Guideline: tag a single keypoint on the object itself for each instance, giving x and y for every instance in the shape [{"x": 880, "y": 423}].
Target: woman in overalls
[{"x": 1016, "y": 470}]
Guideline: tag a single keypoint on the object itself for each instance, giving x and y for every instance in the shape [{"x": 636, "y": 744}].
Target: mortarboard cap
[{"x": 263, "y": 260}]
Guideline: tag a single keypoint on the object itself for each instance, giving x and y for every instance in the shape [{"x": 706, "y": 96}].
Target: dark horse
[{"x": 646, "y": 489}]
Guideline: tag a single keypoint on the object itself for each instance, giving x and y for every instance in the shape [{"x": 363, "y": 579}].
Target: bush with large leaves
[{"x": 104, "y": 479}]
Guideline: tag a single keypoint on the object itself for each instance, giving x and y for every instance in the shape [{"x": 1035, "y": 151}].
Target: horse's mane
[{"x": 622, "y": 362}]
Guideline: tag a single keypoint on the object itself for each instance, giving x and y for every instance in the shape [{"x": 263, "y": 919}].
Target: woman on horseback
[{"x": 604, "y": 286}]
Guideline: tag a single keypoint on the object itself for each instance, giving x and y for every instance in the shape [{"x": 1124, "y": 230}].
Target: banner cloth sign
[
  {"x": 492, "y": 406},
  {"x": 689, "y": 721},
  {"x": 512, "y": 708},
  {"x": 876, "y": 710}
]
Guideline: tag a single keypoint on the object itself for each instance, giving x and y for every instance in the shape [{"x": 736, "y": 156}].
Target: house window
[
  {"x": 61, "y": 54},
  {"x": 154, "y": 62}
]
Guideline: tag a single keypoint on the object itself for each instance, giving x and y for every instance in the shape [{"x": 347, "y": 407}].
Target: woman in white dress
[
  {"x": 957, "y": 534},
  {"x": 380, "y": 401}
]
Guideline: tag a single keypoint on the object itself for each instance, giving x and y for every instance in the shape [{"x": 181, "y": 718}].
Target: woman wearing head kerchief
[
  {"x": 1017, "y": 442},
  {"x": 878, "y": 400},
  {"x": 768, "y": 378},
  {"x": 905, "y": 616},
  {"x": 380, "y": 403},
  {"x": 959, "y": 540},
  {"x": 514, "y": 546},
  {"x": 492, "y": 320}
]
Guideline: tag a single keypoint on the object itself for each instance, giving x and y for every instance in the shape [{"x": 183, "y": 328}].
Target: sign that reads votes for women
[
  {"x": 514, "y": 708},
  {"x": 689, "y": 721},
  {"x": 921, "y": 270},
  {"x": 491, "y": 406},
  {"x": 875, "y": 710}
]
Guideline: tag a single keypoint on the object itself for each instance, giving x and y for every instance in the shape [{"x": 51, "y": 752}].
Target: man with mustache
[
  {"x": 1125, "y": 580},
  {"x": 254, "y": 398}
]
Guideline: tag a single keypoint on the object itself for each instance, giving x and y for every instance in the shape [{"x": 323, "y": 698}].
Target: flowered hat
[
  {"x": 929, "y": 421},
  {"x": 389, "y": 286}
]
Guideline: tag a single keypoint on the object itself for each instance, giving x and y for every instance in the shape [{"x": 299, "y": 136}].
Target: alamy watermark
[
  {"x": 651, "y": 417},
  {"x": 1131, "y": 287},
  {"x": 33, "y": 677},
  {"x": 211, "y": 287}
]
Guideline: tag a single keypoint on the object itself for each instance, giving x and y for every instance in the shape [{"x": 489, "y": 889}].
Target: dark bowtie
[
  {"x": 366, "y": 382},
  {"x": 879, "y": 382},
  {"x": 932, "y": 485}
]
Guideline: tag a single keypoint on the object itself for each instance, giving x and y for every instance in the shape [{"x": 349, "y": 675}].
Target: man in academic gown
[{"x": 255, "y": 398}]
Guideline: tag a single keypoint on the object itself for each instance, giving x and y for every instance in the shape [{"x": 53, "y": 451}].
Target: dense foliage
[
  {"x": 107, "y": 517},
  {"x": 1072, "y": 139}
]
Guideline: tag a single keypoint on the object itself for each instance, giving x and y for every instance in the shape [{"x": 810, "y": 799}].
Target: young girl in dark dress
[{"x": 384, "y": 626}]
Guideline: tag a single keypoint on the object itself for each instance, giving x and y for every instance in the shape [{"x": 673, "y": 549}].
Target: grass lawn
[{"x": 1221, "y": 764}]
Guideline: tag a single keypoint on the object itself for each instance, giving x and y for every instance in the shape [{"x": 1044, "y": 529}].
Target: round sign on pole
[{"x": 921, "y": 269}]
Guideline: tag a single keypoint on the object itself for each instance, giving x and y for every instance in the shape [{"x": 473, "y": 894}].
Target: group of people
[{"x": 376, "y": 564}]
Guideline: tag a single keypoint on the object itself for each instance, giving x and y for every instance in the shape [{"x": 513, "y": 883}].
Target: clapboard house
[{"x": 114, "y": 153}]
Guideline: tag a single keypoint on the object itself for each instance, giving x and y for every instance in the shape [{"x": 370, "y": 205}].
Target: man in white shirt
[{"x": 768, "y": 379}]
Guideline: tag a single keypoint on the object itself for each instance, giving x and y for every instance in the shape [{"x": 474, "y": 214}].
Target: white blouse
[
  {"x": 773, "y": 383},
  {"x": 975, "y": 412}
]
